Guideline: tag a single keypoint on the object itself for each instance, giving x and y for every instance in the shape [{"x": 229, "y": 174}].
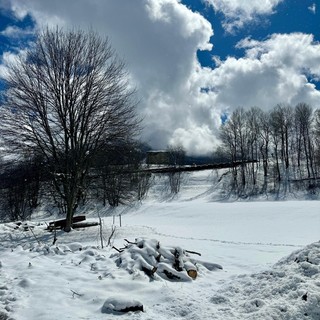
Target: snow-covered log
[
  {"x": 168, "y": 272},
  {"x": 208, "y": 265}
]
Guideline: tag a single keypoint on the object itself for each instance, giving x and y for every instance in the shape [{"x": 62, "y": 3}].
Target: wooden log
[
  {"x": 192, "y": 274},
  {"x": 166, "y": 253},
  {"x": 191, "y": 269},
  {"x": 147, "y": 268},
  {"x": 171, "y": 273},
  {"x": 149, "y": 272}
]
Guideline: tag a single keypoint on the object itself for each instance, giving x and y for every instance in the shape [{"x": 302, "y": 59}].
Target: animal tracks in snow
[{"x": 155, "y": 232}]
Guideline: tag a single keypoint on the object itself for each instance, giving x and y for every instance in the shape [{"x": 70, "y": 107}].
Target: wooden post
[
  {"x": 101, "y": 235},
  {"x": 120, "y": 220},
  {"x": 55, "y": 234},
  {"x": 100, "y": 228}
]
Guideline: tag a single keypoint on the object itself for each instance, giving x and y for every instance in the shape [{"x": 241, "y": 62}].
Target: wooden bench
[{"x": 60, "y": 224}]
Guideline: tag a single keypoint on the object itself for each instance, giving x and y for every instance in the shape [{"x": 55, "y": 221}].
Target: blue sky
[
  {"x": 11, "y": 42},
  {"x": 191, "y": 60},
  {"x": 14, "y": 40},
  {"x": 289, "y": 16}
]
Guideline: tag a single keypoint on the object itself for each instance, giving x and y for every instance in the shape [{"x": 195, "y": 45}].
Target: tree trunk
[{"x": 71, "y": 208}]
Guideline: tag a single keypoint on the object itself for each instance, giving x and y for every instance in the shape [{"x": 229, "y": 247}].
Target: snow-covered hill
[{"x": 77, "y": 279}]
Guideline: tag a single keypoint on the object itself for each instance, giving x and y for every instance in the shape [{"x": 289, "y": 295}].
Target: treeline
[
  {"x": 116, "y": 177},
  {"x": 285, "y": 144}
]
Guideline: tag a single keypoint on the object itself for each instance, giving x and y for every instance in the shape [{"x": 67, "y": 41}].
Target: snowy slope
[{"x": 76, "y": 279}]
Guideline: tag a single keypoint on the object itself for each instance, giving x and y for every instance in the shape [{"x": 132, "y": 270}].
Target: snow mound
[{"x": 290, "y": 290}]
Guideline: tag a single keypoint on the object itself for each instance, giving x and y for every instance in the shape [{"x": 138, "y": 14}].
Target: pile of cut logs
[{"x": 155, "y": 260}]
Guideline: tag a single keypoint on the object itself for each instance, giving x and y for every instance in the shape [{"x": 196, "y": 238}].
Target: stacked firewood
[{"x": 155, "y": 260}]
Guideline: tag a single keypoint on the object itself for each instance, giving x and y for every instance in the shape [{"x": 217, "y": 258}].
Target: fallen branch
[
  {"x": 193, "y": 252},
  {"x": 111, "y": 235},
  {"x": 130, "y": 242},
  {"x": 35, "y": 236},
  {"x": 119, "y": 250},
  {"x": 76, "y": 293}
]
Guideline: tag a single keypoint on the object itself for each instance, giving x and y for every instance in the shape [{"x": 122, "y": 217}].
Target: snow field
[{"x": 76, "y": 279}]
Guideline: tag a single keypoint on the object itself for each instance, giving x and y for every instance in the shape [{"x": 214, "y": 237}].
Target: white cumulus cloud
[
  {"x": 181, "y": 101},
  {"x": 279, "y": 69},
  {"x": 240, "y": 12},
  {"x": 159, "y": 40}
]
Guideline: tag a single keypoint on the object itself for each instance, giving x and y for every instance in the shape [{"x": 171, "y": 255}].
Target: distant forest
[{"x": 286, "y": 144}]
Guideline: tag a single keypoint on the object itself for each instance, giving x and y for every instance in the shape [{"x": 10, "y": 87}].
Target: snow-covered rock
[{"x": 121, "y": 304}]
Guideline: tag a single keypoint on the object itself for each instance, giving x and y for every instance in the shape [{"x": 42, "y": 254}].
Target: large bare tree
[{"x": 68, "y": 97}]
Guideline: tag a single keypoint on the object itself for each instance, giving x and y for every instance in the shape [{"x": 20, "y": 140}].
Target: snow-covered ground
[{"x": 76, "y": 279}]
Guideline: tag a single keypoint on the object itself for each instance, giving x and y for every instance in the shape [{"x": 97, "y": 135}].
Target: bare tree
[
  {"x": 68, "y": 97},
  {"x": 282, "y": 122},
  {"x": 265, "y": 132},
  {"x": 177, "y": 156},
  {"x": 303, "y": 121},
  {"x": 229, "y": 138},
  {"x": 253, "y": 117},
  {"x": 316, "y": 138}
]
